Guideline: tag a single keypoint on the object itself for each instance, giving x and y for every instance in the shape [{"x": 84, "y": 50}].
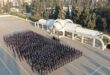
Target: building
[{"x": 15, "y": 2}]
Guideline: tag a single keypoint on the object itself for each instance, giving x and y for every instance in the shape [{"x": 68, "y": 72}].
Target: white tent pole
[
  {"x": 38, "y": 25},
  {"x": 47, "y": 27},
  {"x": 53, "y": 31},
  {"x": 42, "y": 26},
  {"x": 93, "y": 44},
  {"x": 35, "y": 24},
  {"x": 73, "y": 36},
  {"x": 82, "y": 39},
  {"x": 63, "y": 33}
]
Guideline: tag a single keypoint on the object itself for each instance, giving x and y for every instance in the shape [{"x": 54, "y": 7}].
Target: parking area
[{"x": 93, "y": 62}]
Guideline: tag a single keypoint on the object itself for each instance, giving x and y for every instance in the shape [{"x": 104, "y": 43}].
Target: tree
[
  {"x": 56, "y": 12},
  {"x": 103, "y": 9},
  {"x": 33, "y": 7},
  {"x": 36, "y": 9},
  {"x": 91, "y": 22},
  {"x": 104, "y": 24},
  {"x": 61, "y": 13},
  {"x": 67, "y": 16},
  {"x": 108, "y": 23},
  {"x": 76, "y": 12},
  {"x": 26, "y": 7},
  {"x": 7, "y": 7},
  {"x": 101, "y": 23},
  {"x": 51, "y": 13},
  {"x": 46, "y": 14},
  {"x": 93, "y": 19},
  {"x": 0, "y": 8},
  {"x": 19, "y": 5},
  {"x": 85, "y": 17}
]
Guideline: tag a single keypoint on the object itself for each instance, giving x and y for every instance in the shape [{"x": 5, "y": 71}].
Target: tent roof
[
  {"x": 42, "y": 21},
  {"x": 63, "y": 22},
  {"x": 87, "y": 31},
  {"x": 71, "y": 27},
  {"x": 50, "y": 22},
  {"x": 68, "y": 21}
]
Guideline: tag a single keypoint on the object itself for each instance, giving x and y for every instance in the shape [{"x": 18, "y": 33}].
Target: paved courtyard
[{"x": 93, "y": 62}]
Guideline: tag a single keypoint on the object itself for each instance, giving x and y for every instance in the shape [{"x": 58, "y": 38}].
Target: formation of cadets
[{"x": 42, "y": 54}]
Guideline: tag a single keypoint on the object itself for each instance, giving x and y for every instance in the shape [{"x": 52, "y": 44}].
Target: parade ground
[{"x": 93, "y": 62}]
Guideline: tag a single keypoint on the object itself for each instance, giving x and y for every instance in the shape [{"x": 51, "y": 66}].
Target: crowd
[{"x": 42, "y": 54}]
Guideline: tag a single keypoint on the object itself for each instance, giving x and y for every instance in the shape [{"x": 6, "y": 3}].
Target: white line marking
[
  {"x": 77, "y": 69},
  {"x": 96, "y": 70},
  {"x": 16, "y": 62},
  {"x": 6, "y": 66},
  {"x": 101, "y": 64}
]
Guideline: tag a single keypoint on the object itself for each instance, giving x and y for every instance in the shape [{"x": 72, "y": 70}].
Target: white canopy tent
[
  {"x": 67, "y": 25},
  {"x": 62, "y": 25},
  {"x": 59, "y": 24}
]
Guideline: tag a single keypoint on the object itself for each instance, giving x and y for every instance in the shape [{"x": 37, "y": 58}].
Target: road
[{"x": 93, "y": 62}]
